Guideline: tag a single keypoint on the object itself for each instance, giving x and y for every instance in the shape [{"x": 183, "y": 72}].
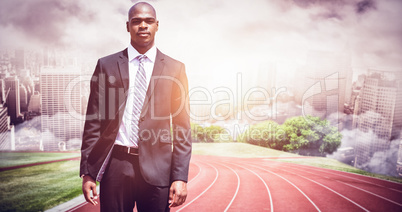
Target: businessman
[{"x": 136, "y": 139}]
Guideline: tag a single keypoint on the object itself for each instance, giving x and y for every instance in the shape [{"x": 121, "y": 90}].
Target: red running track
[{"x": 257, "y": 184}]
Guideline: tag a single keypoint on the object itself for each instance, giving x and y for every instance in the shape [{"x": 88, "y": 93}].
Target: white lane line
[
  {"x": 336, "y": 193},
  {"x": 266, "y": 186},
  {"x": 372, "y": 193},
  {"x": 316, "y": 207},
  {"x": 330, "y": 190},
  {"x": 76, "y": 207},
  {"x": 368, "y": 182},
  {"x": 342, "y": 173},
  {"x": 200, "y": 169},
  {"x": 216, "y": 177},
  {"x": 237, "y": 189},
  {"x": 394, "y": 190},
  {"x": 351, "y": 186}
]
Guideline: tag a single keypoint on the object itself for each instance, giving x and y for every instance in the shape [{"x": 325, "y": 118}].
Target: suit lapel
[
  {"x": 123, "y": 69},
  {"x": 158, "y": 69}
]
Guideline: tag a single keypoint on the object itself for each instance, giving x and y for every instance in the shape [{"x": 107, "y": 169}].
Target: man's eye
[
  {"x": 150, "y": 21},
  {"x": 139, "y": 21}
]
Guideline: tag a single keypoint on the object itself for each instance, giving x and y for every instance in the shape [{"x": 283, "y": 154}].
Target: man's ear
[
  {"x": 157, "y": 25},
  {"x": 128, "y": 26}
]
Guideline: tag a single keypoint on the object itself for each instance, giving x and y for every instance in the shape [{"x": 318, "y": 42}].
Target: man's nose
[{"x": 143, "y": 24}]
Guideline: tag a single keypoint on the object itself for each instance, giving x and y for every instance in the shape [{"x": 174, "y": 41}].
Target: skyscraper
[
  {"x": 379, "y": 114},
  {"x": 35, "y": 103},
  {"x": 20, "y": 59},
  {"x": 4, "y": 128},
  {"x": 327, "y": 87},
  {"x": 12, "y": 86},
  {"x": 61, "y": 107},
  {"x": 23, "y": 98},
  {"x": 3, "y": 94},
  {"x": 399, "y": 163},
  {"x": 260, "y": 90},
  {"x": 4, "y": 119}
]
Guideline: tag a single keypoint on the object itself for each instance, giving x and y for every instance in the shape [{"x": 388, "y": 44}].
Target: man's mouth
[{"x": 143, "y": 34}]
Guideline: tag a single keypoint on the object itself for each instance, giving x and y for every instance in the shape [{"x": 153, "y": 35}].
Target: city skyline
[
  {"x": 278, "y": 48},
  {"x": 61, "y": 80}
]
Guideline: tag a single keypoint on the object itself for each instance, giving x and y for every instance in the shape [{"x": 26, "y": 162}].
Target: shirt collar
[{"x": 133, "y": 53}]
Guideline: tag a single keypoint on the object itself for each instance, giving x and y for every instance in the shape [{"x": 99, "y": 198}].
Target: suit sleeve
[
  {"x": 181, "y": 128},
  {"x": 92, "y": 125}
]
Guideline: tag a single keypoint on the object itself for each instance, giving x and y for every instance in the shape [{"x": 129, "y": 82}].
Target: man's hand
[
  {"x": 88, "y": 185},
  {"x": 177, "y": 193}
]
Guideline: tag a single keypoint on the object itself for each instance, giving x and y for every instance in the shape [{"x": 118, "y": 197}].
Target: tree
[
  {"x": 311, "y": 136},
  {"x": 211, "y": 133},
  {"x": 197, "y": 133},
  {"x": 266, "y": 134},
  {"x": 303, "y": 135}
]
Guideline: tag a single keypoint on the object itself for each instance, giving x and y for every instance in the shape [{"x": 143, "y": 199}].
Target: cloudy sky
[{"x": 217, "y": 37}]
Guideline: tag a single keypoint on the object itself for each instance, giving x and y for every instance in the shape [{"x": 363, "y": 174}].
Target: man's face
[{"x": 142, "y": 26}]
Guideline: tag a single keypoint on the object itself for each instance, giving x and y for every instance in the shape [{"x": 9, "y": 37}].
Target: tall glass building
[
  {"x": 379, "y": 115},
  {"x": 62, "y": 108}
]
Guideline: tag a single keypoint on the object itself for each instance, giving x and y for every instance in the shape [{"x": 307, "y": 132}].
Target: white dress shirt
[{"x": 123, "y": 136}]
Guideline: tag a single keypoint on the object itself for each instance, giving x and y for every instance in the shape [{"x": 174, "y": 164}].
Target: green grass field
[
  {"x": 20, "y": 158},
  {"x": 38, "y": 188},
  {"x": 42, "y": 187}
]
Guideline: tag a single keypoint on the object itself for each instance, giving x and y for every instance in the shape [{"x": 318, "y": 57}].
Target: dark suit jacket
[{"x": 164, "y": 154}]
